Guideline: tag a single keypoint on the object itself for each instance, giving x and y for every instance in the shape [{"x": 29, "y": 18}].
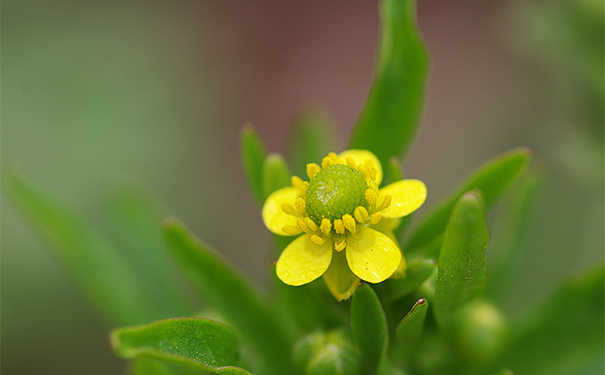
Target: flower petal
[
  {"x": 274, "y": 216},
  {"x": 303, "y": 261},
  {"x": 372, "y": 256},
  {"x": 339, "y": 278},
  {"x": 406, "y": 197},
  {"x": 361, "y": 156}
]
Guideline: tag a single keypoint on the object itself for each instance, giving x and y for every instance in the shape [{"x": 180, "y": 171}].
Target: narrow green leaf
[
  {"x": 191, "y": 342},
  {"x": 230, "y": 295},
  {"x": 275, "y": 175},
  {"x": 417, "y": 273},
  {"x": 565, "y": 334},
  {"x": 393, "y": 108},
  {"x": 93, "y": 262},
  {"x": 253, "y": 157},
  {"x": 491, "y": 179},
  {"x": 409, "y": 330},
  {"x": 151, "y": 366},
  {"x": 311, "y": 138},
  {"x": 369, "y": 325},
  {"x": 136, "y": 216},
  {"x": 462, "y": 271}
]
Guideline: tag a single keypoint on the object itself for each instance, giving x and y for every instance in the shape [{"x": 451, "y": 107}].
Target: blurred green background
[{"x": 94, "y": 93}]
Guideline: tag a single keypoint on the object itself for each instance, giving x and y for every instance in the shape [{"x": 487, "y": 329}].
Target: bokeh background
[{"x": 94, "y": 93}]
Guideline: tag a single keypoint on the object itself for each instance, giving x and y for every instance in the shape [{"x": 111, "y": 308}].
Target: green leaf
[
  {"x": 392, "y": 111},
  {"x": 232, "y": 296},
  {"x": 462, "y": 273},
  {"x": 409, "y": 330},
  {"x": 253, "y": 157},
  {"x": 192, "y": 342},
  {"x": 416, "y": 273},
  {"x": 93, "y": 262},
  {"x": 136, "y": 216},
  {"x": 275, "y": 175},
  {"x": 565, "y": 334},
  {"x": 151, "y": 366},
  {"x": 311, "y": 138},
  {"x": 491, "y": 179},
  {"x": 369, "y": 325}
]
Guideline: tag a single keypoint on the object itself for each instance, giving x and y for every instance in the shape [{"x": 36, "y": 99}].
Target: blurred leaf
[
  {"x": 330, "y": 353},
  {"x": 491, "y": 179},
  {"x": 564, "y": 335},
  {"x": 192, "y": 342},
  {"x": 136, "y": 215},
  {"x": 462, "y": 271},
  {"x": 505, "y": 257},
  {"x": 416, "y": 274},
  {"x": 369, "y": 325},
  {"x": 311, "y": 138},
  {"x": 230, "y": 295},
  {"x": 94, "y": 263},
  {"x": 150, "y": 366},
  {"x": 409, "y": 330},
  {"x": 275, "y": 174},
  {"x": 253, "y": 156},
  {"x": 392, "y": 110}
]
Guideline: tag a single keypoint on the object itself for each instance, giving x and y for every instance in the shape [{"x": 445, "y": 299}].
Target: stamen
[
  {"x": 372, "y": 185},
  {"x": 299, "y": 184},
  {"x": 290, "y": 229},
  {"x": 312, "y": 170},
  {"x": 364, "y": 171},
  {"x": 326, "y": 226},
  {"x": 326, "y": 162},
  {"x": 361, "y": 214},
  {"x": 335, "y": 158},
  {"x": 310, "y": 224},
  {"x": 372, "y": 171},
  {"x": 352, "y": 162},
  {"x": 317, "y": 240},
  {"x": 349, "y": 223},
  {"x": 340, "y": 245},
  {"x": 302, "y": 225},
  {"x": 339, "y": 227},
  {"x": 375, "y": 218},
  {"x": 385, "y": 203},
  {"x": 288, "y": 208},
  {"x": 371, "y": 196},
  {"x": 301, "y": 206}
]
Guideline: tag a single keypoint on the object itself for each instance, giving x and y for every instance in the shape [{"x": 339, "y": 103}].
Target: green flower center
[{"x": 335, "y": 191}]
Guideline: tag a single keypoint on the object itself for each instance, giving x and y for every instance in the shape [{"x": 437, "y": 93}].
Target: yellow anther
[
  {"x": 385, "y": 203},
  {"x": 340, "y": 245},
  {"x": 290, "y": 229},
  {"x": 288, "y": 208},
  {"x": 310, "y": 224},
  {"x": 363, "y": 169},
  {"x": 317, "y": 240},
  {"x": 326, "y": 162},
  {"x": 349, "y": 223},
  {"x": 326, "y": 226},
  {"x": 351, "y": 162},
  {"x": 372, "y": 171},
  {"x": 297, "y": 182},
  {"x": 375, "y": 218},
  {"x": 372, "y": 185},
  {"x": 371, "y": 196},
  {"x": 301, "y": 206},
  {"x": 361, "y": 214},
  {"x": 339, "y": 227},
  {"x": 335, "y": 158},
  {"x": 312, "y": 170},
  {"x": 302, "y": 225}
]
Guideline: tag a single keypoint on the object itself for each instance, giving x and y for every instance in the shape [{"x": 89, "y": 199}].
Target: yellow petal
[
  {"x": 373, "y": 256},
  {"x": 406, "y": 197},
  {"x": 361, "y": 156},
  {"x": 340, "y": 280},
  {"x": 303, "y": 261},
  {"x": 274, "y": 216}
]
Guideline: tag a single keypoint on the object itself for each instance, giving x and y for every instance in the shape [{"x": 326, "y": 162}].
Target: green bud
[{"x": 327, "y": 353}]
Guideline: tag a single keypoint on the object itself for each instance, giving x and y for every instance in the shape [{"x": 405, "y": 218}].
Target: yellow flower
[{"x": 347, "y": 222}]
